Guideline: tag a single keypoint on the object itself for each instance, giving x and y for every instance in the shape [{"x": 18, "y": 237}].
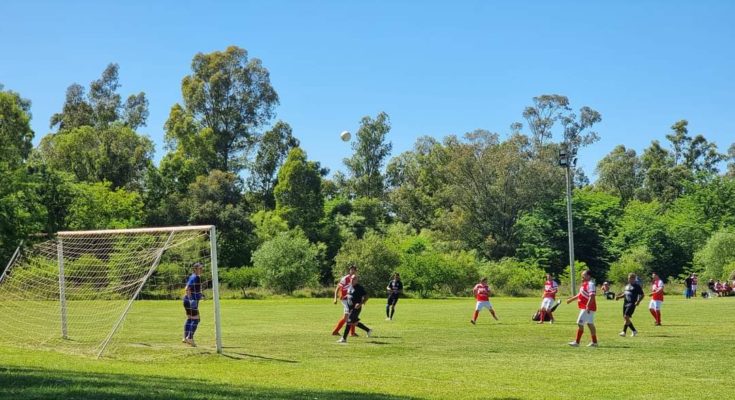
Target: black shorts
[
  {"x": 392, "y": 299},
  {"x": 628, "y": 310},
  {"x": 191, "y": 307},
  {"x": 354, "y": 315}
]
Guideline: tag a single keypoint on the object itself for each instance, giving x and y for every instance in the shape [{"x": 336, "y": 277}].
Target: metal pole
[
  {"x": 570, "y": 229},
  {"x": 62, "y": 288},
  {"x": 12, "y": 260},
  {"x": 215, "y": 288}
]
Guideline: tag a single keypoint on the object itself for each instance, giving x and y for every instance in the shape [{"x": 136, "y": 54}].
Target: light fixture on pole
[{"x": 567, "y": 160}]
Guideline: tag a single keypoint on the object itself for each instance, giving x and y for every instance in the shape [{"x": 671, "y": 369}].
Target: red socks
[
  {"x": 543, "y": 316},
  {"x": 339, "y": 326},
  {"x": 579, "y": 334},
  {"x": 594, "y": 338},
  {"x": 474, "y": 316}
]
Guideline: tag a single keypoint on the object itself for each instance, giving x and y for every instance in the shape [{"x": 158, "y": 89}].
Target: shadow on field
[
  {"x": 33, "y": 383},
  {"x": 244, "y": 356}
]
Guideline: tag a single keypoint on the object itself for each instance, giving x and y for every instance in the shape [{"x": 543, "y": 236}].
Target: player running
[
  {"x": 657, "y": 297},
  {"x": 356, "y": 299},
  {"x": 550, "y": 289},
  {"x": 587, "y": 306},
  {"x": 395, "y": 287},
  {"x": 342, "y": 290},
  {"x": 482, "y": 295},
  {"x": 191, "y": 303},
  {"x": 632, "y": 295}
]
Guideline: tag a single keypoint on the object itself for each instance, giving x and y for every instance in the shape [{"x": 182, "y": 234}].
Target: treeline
[{"x": 442, "y": 214}]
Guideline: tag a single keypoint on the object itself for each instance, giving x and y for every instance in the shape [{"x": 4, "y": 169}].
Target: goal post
[{"x": 74, "y": 291}]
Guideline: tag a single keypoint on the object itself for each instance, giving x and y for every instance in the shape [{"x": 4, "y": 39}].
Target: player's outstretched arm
[
  {"x": 335, "y": 294},
  {"x": 571, "y": 299}
]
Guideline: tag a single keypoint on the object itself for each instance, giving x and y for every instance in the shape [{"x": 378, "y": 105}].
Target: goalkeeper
[{"x": 191, "y": 303}]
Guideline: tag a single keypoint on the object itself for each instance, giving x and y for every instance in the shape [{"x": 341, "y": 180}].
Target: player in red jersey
[
  {"x": 587, "y": 306},
  {"x": 657, "y": 297},
  {"x": 341, "y": 291},
  {"x": 482, "y": 295},
  {"x": 550, "y": 289}
]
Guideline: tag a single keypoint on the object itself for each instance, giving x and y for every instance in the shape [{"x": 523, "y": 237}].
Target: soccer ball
[{"x": 345, "y": 136}]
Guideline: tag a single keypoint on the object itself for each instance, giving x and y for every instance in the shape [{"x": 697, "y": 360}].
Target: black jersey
[
  {"x": 395, "y": 286},
  {"x": 633, "y": 293},
  {"x": 356, "y": 294}
]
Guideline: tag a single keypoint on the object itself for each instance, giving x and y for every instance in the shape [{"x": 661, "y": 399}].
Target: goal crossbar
[{"x": 136, "y": 230}]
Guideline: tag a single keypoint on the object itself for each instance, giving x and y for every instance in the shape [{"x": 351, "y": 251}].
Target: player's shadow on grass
[{"x": 36, "y": 383}]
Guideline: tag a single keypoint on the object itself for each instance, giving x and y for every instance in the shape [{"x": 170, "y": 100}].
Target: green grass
[{"x": 282, "y": 349}]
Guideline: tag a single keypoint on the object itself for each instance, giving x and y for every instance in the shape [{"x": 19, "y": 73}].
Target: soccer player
[
  {"x": 191, "y": 303},
  {"x": 482, "y": 295},
  {"x": 550, "y": 289},
  {"x": 657, "y": 297},
  {"x": 587, "y": 306},
  {"x": 632, "y": 295},
  {"x": 356, "y": 299},
  {"x": 695, "y": 281},
  {"x": 342, "y": 290},
  {"x": 395, "y": 287}
]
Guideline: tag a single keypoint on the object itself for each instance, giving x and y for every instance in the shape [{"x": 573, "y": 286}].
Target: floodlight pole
[{"x": 566, "y": 160}]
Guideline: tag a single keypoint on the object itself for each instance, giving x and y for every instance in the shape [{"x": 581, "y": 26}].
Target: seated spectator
[
  {"x": 606, "y": 291},
  {"x": 711, "y": 288},
  {"x": 726, "y": 289},
  {"x": 718, "y": 288}
]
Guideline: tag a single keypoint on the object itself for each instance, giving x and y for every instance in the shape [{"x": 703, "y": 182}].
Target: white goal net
[{"x": 74, "y": 292}]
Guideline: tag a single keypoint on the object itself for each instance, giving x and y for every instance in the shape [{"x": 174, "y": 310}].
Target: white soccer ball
[{"x": 345, "y": 136}]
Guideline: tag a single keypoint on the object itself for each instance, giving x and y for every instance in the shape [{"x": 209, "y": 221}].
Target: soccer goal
[{"x": 73, "y": 292}]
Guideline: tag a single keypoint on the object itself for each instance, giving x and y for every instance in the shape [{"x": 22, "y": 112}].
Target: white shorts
[
  {"x": 655, "y": 305},
  {"x": 586, "y": 317},
  {"x": 547, "y": 303},
  {"x": 483, "y": 304},
  {"x": 346, "y": 306},
  {"x": 694, "y": 288}
]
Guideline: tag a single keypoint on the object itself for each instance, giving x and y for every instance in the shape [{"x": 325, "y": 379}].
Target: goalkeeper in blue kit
[{"x": 191, "y": 303}]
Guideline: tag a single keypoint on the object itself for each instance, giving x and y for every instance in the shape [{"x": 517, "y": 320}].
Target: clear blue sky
[{"x": 436, "y": 67}]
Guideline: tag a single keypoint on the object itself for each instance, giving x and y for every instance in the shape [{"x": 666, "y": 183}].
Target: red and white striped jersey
[
  {"x": 345, "y": 284},
  {"x": 550, "y": 289},
  {"x": 585, "y": 294},
  {"x": 657, "y": 290},
  {"x": 482, "y": 292}
]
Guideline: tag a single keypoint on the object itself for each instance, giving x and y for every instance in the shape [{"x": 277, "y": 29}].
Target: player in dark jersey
[
  {"x": 356, "y": 299},
  {"x": 191, "y": 303},
  {"x": 632, "y": 295},
  {"x": 395, "y": 287}
]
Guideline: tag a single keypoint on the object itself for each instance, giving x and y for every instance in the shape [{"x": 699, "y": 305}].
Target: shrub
[
  {"x": 637, "y": 260},
  {"x": 288, "y": 261},
  {"x": 375, "y": 261},
  {"x": 513, "y": 277},
  {"x": 716, "y": 255},
  {"x": 242, "y": 278}
]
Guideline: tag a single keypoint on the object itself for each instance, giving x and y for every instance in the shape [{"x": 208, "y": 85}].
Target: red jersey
[
  {"x": 344, "y": 285},
  {"x": 585, "y": 293},
  {"x": 550, "y": 289},
  {"x": 657, "y": 290},
  {"x": 482, "y": 292}
]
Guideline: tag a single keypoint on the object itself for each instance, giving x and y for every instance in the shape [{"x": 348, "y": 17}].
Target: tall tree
[
  {"x": 21, "y": 212},
  {"x": 731, "y": 164},
  {"x": 548, "y": 110},
  {"x": 370, "y": 153},
  {"x": 116, "y": 154},
  {"x": 226, "y": 99},
  {"x": 15, "y": 129},
  {"x": 298, "y": 193},
  {"x": 619, "y": 173},
  {"x": 274, "y": 146},
  {"x": 102, "y": 106}
]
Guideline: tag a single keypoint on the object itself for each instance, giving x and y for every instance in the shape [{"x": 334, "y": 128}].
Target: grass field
[{"x": 282, "y": 349}]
